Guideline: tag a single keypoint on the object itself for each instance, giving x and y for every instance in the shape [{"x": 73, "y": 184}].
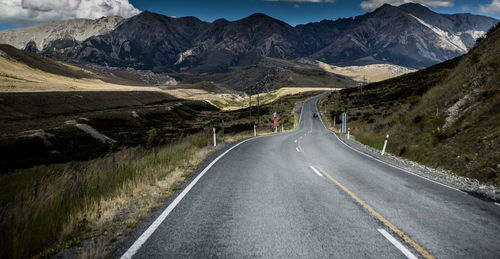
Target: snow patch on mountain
[{"x": 447, "y": 40}]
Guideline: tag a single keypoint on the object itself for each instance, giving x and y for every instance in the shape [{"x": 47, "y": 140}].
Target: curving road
[{"x": 304, "y": 194}]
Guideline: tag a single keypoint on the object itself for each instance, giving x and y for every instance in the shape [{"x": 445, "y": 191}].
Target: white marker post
[
  {"x": 348, "y": 133},
  {"x": 282, "y": 128},
  {"x": 215, "y": 139},
  {"x": 334, "y": 120},
  {"x": 385, "y": 144},
  {"x": 254, "y": 130}
]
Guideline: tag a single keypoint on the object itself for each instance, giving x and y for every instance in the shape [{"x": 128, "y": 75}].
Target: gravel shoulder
[{"x": 446, "y": 177}]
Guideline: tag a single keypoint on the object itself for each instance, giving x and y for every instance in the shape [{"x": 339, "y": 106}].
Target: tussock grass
[
  {"x": 445, "y": 116},
  {"x": 48, "y": 208},
  {"x": 62, "y": 204}
]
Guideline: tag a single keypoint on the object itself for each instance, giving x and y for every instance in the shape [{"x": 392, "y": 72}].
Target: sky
[{"x": 22, "y": 13}]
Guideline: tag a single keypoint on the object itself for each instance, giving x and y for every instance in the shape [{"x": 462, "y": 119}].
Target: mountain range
[{"x": 409, "y": 35}]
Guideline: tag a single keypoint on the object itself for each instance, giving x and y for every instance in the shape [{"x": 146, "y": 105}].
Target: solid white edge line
[
  {"x": 297, "y": 149},
  {"x": 149, "y": 231},
  {"x": 393, "y": 166},
  {"x": 316, "y": 171},
  {"x": 497, "y": 203},
  {"x": 397, "y": 244},
  {"x": 399, "y": 168},
  {"x": 301, "y": 110}
]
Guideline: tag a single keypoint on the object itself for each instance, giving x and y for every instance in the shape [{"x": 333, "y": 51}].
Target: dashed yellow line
[
  {"x": 300, "y": 147},
  {"x": 377, "y": 215}
]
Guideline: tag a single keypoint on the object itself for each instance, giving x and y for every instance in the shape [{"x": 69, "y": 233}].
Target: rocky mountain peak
[
  {"x": 44, "y": 34},
  {"x": 260, "y": 18},
  {"x": 408, "y": 35},
  {"x": 221, "y": 21}
]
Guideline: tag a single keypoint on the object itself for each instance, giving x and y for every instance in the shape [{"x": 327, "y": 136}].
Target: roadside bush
[{"x": 151, "y": 139}]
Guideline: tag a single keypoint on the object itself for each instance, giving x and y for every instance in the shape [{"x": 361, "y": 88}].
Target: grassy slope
[
  {"x": 270, "y": 74},
  {"x": 51, "y": 207},
  {"x": 123, "y": 116},
  {"x": 26, "y": 72},
  {"x": 444, "y": 116},
  {"x": 370, "y": 73}
]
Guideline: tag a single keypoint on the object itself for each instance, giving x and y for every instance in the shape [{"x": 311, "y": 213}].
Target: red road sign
[{"x": 276, "y": 119}]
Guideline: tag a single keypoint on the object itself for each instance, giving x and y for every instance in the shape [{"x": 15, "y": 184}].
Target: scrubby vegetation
[
  {"x": 46, "y": 208},
  {"x": 447, "y": 115}
]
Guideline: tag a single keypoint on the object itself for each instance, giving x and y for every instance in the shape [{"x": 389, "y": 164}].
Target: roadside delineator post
[
  {"x": 334, "y": 120},
  {"x": 215, "y": 139},
  {"x": 254, "y": 130},
  {"x": 282, "y": 128},
  {"x": 348, "y": 132},
  {"x": 385, "y": 144}
]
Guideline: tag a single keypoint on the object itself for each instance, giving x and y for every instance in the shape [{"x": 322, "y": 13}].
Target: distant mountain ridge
[
  {"x": 42, "y": 36},
  {"x": 409, "y": 35}
]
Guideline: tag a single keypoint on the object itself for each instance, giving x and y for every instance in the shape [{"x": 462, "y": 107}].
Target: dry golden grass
[
  {"x": 18, "y": 77},
  {"x": 99, "y": 196},
  {"x": 101, "y": 199},
  {"x": 266, "y": 98},
  {"x": 370, "y": 73}
]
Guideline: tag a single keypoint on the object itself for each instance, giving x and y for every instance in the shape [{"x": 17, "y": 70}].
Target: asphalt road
[{"x": 304, "y": 194}]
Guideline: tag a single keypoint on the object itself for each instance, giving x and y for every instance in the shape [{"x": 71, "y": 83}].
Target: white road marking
[
  {"x": 399, "y": 168},
  {"x": 393, "y": 166},
  {"x": 397, "y": 244},
  {"x": 301, "y": 110},
  {"x": 497, "y": 203},
  {"x": 144, "y": 237},
  {"x": 295, "y": 141},
  {"x": 297, "y": 149},
  {"x": 316, "y": 171}
]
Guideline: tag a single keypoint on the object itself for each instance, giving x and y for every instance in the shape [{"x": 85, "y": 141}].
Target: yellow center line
[
  {"x": 300, "y": 147},
  {"x": 377, "y": 215}
]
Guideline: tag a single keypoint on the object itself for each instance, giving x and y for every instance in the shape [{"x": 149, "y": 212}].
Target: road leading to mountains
[{"x": 305, "y": 194}]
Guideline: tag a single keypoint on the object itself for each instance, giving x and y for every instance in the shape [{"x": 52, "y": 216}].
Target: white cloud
[
  {"x": 373, "y": 4},
  {"x": 493, "y": 7},
  {"x": 27, "y": 12},
  {"x": 303, "y": 1}
]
